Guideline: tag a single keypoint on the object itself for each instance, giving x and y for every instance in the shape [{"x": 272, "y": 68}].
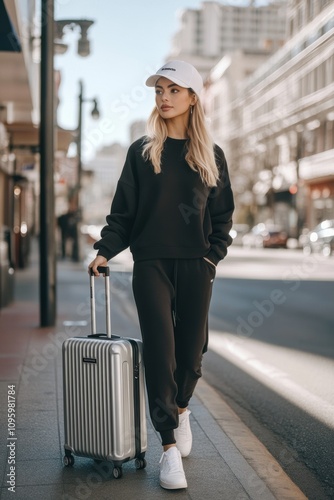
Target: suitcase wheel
[
  {"x": 117, "y": 472},
  {"x": 68, "y": 460},
  {"x": 140, "y": 463}
]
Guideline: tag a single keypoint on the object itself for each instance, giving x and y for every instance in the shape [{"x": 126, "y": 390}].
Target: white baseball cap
[{"x": 179, "y": 72}]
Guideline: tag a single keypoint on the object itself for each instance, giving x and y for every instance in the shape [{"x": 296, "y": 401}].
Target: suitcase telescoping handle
[{"x": 106, "y": 273}]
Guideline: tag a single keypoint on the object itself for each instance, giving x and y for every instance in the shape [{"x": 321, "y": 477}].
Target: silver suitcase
[{"x": 104, "y": 395}]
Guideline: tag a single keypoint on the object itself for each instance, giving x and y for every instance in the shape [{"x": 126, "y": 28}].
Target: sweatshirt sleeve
[
  {"x": 115, "y": 235},
  {"x": 221, "y": 207}
]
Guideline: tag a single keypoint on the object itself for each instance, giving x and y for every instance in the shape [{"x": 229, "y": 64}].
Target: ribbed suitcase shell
[
  {"x": 99, "y": 399},
  {"x": 104, "y": 395}
]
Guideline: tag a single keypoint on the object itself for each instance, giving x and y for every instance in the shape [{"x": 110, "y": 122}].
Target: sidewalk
[{"x": 227, "y": 461}]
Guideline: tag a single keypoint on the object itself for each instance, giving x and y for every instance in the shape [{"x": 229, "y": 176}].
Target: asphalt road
[{"x": 271, "y": 355}]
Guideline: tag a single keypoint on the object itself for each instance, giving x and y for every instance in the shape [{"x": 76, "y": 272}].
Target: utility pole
[{"x": 47, "y": 262}]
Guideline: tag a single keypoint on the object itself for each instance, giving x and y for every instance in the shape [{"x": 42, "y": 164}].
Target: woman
[{"x": 173, "y": 206}]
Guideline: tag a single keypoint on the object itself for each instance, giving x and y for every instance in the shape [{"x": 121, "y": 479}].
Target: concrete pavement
[{"x": 227, "y": 461}]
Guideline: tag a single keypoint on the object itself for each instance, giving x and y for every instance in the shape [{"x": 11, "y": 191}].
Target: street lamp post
[
  {"x": 47, "y": 268},
  {"x": 47, "y": 274},
  {"x": 95, "y": 114}
]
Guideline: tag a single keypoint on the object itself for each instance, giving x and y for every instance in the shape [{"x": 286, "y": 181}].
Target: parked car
[
  {"x": 265, "y": 236},
  {"x": 237, "y": 232},
  {"x": 320, "y": 239}
]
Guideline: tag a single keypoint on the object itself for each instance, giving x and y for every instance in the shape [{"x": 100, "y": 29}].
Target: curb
[{"x": 254, "y": 452}]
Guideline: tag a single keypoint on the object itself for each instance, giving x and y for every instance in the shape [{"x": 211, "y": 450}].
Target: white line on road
[{"x": 233, "y": 348}]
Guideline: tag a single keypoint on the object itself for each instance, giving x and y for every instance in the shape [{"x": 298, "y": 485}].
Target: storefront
[
  {"x": 317, "y": 174},
  {"x": 6, "y": 235}
]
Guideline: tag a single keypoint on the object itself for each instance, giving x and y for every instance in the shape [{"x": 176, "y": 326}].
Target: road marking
[
  {"x": 231, "y": 347},
  {"x": 75, "y": 323}
]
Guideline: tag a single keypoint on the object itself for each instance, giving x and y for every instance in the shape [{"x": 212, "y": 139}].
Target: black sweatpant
[{"x": 172, "y": 298}]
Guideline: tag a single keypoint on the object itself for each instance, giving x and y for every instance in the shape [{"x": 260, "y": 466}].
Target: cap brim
[{"x": 152, "y": 80}]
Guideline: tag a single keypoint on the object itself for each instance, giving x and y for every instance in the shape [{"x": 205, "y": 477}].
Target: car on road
[
  {"x": 320, "y": 239},
  {"x": 265, "y": 236}
]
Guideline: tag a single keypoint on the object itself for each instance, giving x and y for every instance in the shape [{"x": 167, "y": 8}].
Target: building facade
[
  {"x": 19, "y": 109},
  {"x": 282, "y": 137},
  {"x": 221, "y": 89},
  {"x": 207, "y": 33},
  {"x": 19, "y": 136},
  {"x": 105, "y": 171},
  {"x": 137, "y": 130}
]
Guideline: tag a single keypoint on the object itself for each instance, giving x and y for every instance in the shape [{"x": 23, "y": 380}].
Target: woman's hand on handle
[{"x": 98, "y": 261}]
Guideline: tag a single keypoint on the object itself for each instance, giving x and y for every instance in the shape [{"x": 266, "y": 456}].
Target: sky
[{"x": 129, "y": 41}]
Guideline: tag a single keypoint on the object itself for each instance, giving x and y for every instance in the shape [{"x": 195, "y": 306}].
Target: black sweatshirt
[{"x": 171, "y": 214}]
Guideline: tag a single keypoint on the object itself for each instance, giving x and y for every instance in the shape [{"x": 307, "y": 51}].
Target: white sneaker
[
  {"x": 183, "y": 435},
  {"x": 171, "y": 470}
]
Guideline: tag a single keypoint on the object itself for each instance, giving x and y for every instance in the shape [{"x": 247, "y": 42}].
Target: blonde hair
[{"x": 200, "y": 149}]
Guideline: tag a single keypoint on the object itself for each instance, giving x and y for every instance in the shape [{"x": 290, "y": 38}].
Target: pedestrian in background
[
  {"x": 62, "y": 222},
  {"x": 173, "y": 206},
  {"x": 68, "y": 225}
]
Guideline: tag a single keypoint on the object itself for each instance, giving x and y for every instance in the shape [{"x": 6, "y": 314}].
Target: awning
[
  {"x": 26, "y": 136},
  {"x": 9, "y": 41},
  {"x": 317, "y": 167}
]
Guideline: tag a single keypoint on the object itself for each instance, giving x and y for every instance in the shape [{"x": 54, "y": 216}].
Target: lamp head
[
  {"x": 83, "y": 42},
  {"x": 83, "y": 47},
  {"x": 60, "y": 47},
  {"x": 95, "y": 111}
]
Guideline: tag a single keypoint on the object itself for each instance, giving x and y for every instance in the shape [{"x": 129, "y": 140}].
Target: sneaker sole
[{"x": 168, "y": 486}]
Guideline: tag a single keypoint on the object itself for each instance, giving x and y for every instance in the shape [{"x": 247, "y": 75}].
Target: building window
[
  {"x": 330, "y": 70},
  {"x": 311, "y": 82},
  {"x": 329, "y": 135},
  {"x": 321, "y": 76},
  {"x": 291, "y": 27},
  {"x": 324, "y": 3},
  {"x": 300, "y": 17},
  {"x": 320, "y": 138},
  {"x": 301, "y": 87},
  {"x": 310, "y": 10}
]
